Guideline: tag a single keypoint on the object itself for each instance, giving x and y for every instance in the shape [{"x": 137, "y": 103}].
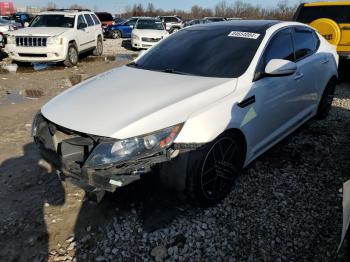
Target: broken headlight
[{"x": 114, "y": 152}]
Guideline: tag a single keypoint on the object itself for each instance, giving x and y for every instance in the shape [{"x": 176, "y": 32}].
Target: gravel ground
[{"x": 285, "y": 207}]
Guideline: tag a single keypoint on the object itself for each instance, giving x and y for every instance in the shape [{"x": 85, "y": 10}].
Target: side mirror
[
  {"x": 82, "y": 25},
  {"x": 26, "y": 24},
  {"x": 280, "y": 67}
]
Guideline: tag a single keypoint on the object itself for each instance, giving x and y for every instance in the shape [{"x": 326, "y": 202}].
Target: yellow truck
[{"x": 330, "y": 19}]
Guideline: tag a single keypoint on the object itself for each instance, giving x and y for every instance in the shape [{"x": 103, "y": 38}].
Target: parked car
[
  {"x": 214, "y": 19},
  {"x": 147, "y": 33},
  {"x": 56, "y": 36},
  {"x": 7, "y": 25},
  {"x": 194, "y": 110},
  {"x": 196, "y": 22},
  {"x": 119, "y": 20},
  {"x": 122, "y": 30},
  {"x": 105, "y": 18},
  {"x": 21, "y": 17},
  {"x": 331, "y": 20},
  {"x": 172, "y": 23}
]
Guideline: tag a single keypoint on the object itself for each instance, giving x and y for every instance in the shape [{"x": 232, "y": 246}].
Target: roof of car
[
  {"x": 327, "y": 3},
  {"x": 254, "y": 25}
]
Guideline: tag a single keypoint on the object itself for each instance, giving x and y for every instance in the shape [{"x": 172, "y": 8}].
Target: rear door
[
  {"x": 311, "y": 69},
  {"x": 91, "y": 31},
  {"x": 82, "y": 34}
]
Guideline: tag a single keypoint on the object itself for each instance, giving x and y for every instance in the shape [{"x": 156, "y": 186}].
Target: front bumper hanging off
[{"x": 68, "y": 150}]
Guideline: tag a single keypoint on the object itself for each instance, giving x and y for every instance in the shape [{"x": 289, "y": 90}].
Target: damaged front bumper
[{"x": 68, "y": 152}]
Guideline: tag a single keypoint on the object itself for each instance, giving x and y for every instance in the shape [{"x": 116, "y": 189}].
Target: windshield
[
  {"x": 340, "y": 14},
  {"x": 201, "y": 52},
  {"x": 53, "y": 21},
  {"x": 149, "y": 24}
]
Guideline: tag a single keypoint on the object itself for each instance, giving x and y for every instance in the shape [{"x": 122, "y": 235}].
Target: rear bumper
[{"x": 54, "y": 53}]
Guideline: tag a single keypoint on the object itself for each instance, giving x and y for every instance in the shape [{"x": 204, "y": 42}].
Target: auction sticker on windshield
[{"x": 244, "y": 35}]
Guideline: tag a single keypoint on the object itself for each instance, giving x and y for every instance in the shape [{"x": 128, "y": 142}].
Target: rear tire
[
  {"x": 98, "y": 51},
  {"x": 325, "y": 104},
  {"x": 212, "y": 169},
  {"x": 72, "y": 56}
]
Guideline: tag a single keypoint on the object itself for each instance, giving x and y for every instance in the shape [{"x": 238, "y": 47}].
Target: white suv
[{"x": 56, "y": 36}]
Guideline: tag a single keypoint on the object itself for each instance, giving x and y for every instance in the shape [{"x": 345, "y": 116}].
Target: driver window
[{"x": 280, "y": 47}]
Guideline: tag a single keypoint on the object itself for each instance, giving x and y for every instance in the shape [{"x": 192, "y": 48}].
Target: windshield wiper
[{"x": 172, "y": 71}]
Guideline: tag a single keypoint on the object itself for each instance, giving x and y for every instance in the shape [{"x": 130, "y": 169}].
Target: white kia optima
[
  {"x": 147, "y": 33},
  {"x": 198, "y": 107}
]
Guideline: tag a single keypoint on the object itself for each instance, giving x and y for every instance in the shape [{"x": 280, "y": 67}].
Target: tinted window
[
  {"x": 149, "y": 24},
  {"x": 340, "y": 14},
  {"x": 89, "y": 20},
  {"x": 131, "y": 22},
  {"x": 280, "y": 47},
  {"x": 305, "y": 42},
  {"x": 202, "y": 52},
  {"x": 94, "y": 17},
  {"x": 81, "y": 19}
]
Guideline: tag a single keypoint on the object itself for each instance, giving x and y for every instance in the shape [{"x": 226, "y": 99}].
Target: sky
[{"x": 115, "y": 6}]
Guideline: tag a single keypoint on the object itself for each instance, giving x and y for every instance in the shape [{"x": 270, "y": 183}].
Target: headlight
[
  {"x": 54, "y": 40},
  {"x": 115, "y": 152},
  {"x": 36, "y": 122},
  {"x": 135, "y": 37},
  {"x": 11, "y": 39}
]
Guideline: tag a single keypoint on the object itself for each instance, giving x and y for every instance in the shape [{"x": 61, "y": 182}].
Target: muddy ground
[{"x": 39, "y": 213}]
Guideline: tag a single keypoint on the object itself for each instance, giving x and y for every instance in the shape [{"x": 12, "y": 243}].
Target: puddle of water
[
  {"x": 122, "y": 58},
  {"x": 39, "y": 67},
  {"x": 13, "y": 97}
]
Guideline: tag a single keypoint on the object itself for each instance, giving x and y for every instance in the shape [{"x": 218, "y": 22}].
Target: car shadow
[
  {"x": 126, "y": 43},
  {"x": 147, "y": 200},
  {"x": 343, "y": 70},
  {"x": 27, "y": 187}
]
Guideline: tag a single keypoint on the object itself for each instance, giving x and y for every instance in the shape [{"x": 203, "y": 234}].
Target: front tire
[
  {"x": 326, "y": 100},
  {"x": 72, "y": 56},
  {"x": 213, "y": 169}
]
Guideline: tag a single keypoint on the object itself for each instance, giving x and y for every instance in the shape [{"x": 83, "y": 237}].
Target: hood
[
  {"x": 127, "y": 102},
  {"x": 41, "y": 31},
  {"x": 149, "y": 33}
]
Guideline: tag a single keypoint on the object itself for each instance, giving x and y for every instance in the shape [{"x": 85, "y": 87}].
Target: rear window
[
  {"x": 89, "y": 20},
  {"x": 340, "y": 14},
  {"x": 201, "y": 52},
  {"x": 305, "y": 42},
  {"x": 94, "y": 17},
  {"x": 105, "y": 16}
]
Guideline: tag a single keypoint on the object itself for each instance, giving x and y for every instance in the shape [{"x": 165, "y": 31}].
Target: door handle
[{"x": 298, "y": 76}]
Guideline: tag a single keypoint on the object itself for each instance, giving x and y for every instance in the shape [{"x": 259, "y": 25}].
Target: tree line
[{"x": 228, "y": 9}]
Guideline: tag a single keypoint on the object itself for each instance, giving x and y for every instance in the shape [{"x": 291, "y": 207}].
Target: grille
[
  {"x": 148, "y": 39},
  {"x": 31, "y": 41}
]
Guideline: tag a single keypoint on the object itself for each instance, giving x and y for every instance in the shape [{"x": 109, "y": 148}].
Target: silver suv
[{"x": 172, "y": 23}]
